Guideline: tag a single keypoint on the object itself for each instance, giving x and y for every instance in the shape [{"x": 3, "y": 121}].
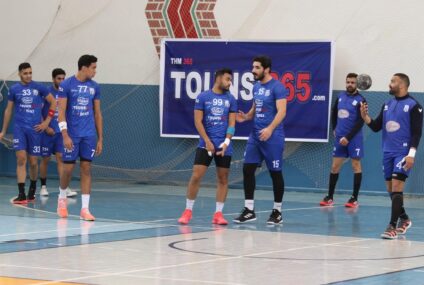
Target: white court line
[
  {"x": 192, "y": 263},
  {"x": 179, "y": 279},
  {"x": 157, "y": 222}
]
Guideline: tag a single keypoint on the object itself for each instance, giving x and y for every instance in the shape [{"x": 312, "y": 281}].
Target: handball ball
[{"x": 364, "y": 81}]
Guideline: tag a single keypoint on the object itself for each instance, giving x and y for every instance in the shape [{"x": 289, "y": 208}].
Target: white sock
[
  {"x": 277, "y": 206},
  {"x": 85, "y": 201},
  {"x": 219, "y": 206},
  {"x": 189, "y": 204},
  {"x": 62, "y": 193},
  {"x": 250, "y": 204}
]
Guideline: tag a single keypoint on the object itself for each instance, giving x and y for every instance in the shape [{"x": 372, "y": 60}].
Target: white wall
[{"x": 378, "y": 37}]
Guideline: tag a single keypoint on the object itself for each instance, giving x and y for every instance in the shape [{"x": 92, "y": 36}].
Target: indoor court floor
[{"x": 136, "y": 240}]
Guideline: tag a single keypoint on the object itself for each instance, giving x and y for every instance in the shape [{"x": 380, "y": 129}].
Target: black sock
[
  {"x": 277, "y": 185},
  {"x": 43, "y": 181},
  {"x": 332, "y": 184},
  {"x": 249, "y": 181},
  {"x": 33, "y": 184},
  {"x": 357, "y": 179},
  {"x": 397, "y": 202},
  {"x": 403, "y": 215},
  {"x": 21, "y": 187}
]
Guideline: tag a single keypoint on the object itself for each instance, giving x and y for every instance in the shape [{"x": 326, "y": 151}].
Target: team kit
[{"x": 65, "y": 120}]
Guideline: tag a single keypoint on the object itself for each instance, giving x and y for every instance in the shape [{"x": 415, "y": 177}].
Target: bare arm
[
  {"x": 98, "y": 119},
  {"x": 198, "y": 122},
  {"x": 231, "y": 124},
  {"x": 67, "y": 142},
  {"x": 6, "y": 119},
  {"x": 45, "y": 124},
  {"x": 243, "y": 117}
]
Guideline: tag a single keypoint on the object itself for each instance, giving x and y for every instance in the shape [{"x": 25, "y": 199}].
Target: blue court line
[{"x": 79, "y": 239}]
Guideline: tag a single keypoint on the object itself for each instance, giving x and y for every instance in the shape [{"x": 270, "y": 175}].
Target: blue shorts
[
  {"x": 84, "y": 148},
  {"x": 393, "y": 164},
  {"x": 271, "y": 151},
  {"x": 27, "y": 139},
  {"x": 51, "y": 144},
  {"x": 354, "y": 149}
]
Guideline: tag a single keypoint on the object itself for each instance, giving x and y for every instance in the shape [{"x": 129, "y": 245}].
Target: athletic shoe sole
[
  {"x": 247, "y": 221},
  {"x": 272, "y": 223},
  {"x": 384, "y": 236}
]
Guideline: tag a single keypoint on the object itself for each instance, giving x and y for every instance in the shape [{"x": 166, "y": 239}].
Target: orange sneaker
[
  {"x": 218, "y": 219},
  {"x": 62, "y": 209},
  {"x": 86, "y": 215},
  {"x": 185, "y": 217}
]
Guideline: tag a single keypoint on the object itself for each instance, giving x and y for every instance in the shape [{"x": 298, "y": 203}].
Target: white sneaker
[
  {"x": 70, "y": 193},
  {"x": 43, "y": 191}
]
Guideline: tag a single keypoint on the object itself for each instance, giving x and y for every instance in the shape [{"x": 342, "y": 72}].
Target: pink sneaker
[
  {"x": 86, "y": 215},
  {"x": 185, "y": 217},
  {"x": 218, "y": 219},
  {"x": 62, "y": 209}
]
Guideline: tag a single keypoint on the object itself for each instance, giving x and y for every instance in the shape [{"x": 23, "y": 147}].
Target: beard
[
  {"x": 225, "y": 88},
  {"x": 350, "y": 90},
  {"x": 258, "y": 77}
]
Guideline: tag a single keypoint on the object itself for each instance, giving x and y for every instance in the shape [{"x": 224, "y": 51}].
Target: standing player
[
  {"x": 51, "y": 139},
  {"x": 401, "y": 119},
  {"x": 27, "y": 97},
  {"x": 266, "y": 141},
  {"x": 347, "y": 126},
  {"x": 214, "y": 118},
  {"x": 80, "y": 119}
]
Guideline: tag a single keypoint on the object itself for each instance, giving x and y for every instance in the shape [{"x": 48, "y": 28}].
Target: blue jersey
[
  {"x": 265, "y": 97},
  {"x": 80, "y": 106},
  {"x": 54, "y": 122},
  {"x": 216, "y": 109},
  {"x": 349, "y": 122},
  {"x": 396, "y": 123},
  {"x": 28, "y": 100}
]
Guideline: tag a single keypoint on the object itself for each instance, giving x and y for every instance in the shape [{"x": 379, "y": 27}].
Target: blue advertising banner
[{"x": 304, "y": 68}]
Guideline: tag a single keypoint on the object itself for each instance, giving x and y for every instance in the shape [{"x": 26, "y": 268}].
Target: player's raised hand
[
  {"x": 241, "y": 117},
  {"x": 364, "y": 110}
]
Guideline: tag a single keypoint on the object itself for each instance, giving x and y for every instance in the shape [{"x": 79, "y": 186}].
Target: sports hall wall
[{"x": 375, "y": 37}]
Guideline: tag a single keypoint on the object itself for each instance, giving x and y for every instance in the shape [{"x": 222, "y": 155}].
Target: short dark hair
[
  {"x": 24, "y": 65},
  {"x": 351, "y": 75},
  {"x": 404, "y": 78},
  {"x": 86, "y": 60},
  {"x": 223, "y": 71},
  {"x": 264, "y": 60},
  {"x": 58, "y": 71}
]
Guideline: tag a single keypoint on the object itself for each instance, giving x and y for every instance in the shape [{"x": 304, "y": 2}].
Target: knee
[
  {"x": 21, "y": 160},
  {"x": 335, "y": 168},
  {"x": 33, "y": 163},
  {"x": 223, "y": 180},
  {"x": 85, "y": 171},
  {"x": 356, "y": 167},
  {"x": 249, "y": 169}
]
